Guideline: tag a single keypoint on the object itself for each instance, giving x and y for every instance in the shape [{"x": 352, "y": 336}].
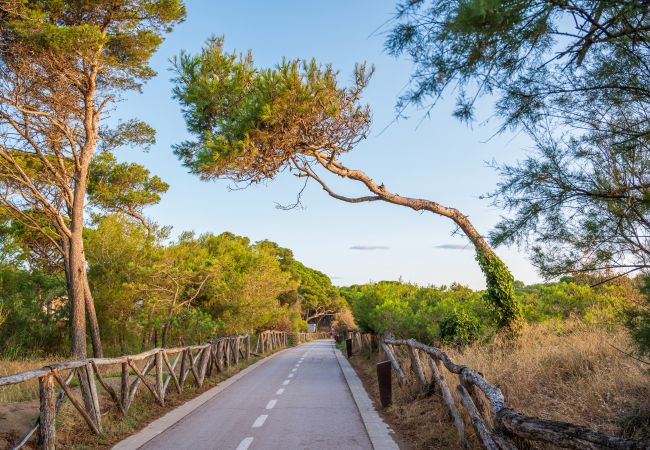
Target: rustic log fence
[
  {"x": 271, "y": 340},
  {"x": 496, "y": 426},
  {"x": 156, "y": 369}
]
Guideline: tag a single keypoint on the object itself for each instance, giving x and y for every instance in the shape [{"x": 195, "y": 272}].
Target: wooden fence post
[
  {"x": 384, "y": 372},
  {"x": 124, "y": 387},
  {"x": 248, "y": 346},
  {"x": 477, "y": 422},
  {"x": 159, "y": 377},
  {"x": 440, "y": 381},
  {"x": 183, "y": 372},
  {"x": 416, "y": 366},
  {"x": 47, "y": 429},
  {"x": 95, "y": 412}
]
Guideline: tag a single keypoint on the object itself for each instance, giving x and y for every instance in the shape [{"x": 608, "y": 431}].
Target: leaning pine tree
[
  {"x": 63, "y": 65},
  {"x": 252, "y": 124}
]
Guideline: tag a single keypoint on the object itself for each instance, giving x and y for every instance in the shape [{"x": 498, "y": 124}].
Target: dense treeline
[
  {"x": 457, "y": 315},
  {"x": 150, "y": 290}
]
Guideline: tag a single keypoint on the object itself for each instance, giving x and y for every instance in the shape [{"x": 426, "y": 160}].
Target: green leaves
[
  {"x": 249, "y": 123},
  {"x": 125, "y": 187}
]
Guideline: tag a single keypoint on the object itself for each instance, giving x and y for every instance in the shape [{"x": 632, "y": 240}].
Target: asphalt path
[{"x": 297, "y": 400}]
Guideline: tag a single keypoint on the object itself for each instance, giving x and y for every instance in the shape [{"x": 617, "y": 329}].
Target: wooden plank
[
  {"x": 124, "y": 387},
  {"x": 146, "y": 383},
  {"x": 47, "y": 428},
  {"x": 226, "y": 353},
  {"x": 159, "y": 378},
  {"x": 23, "y": 376},
  {"x": 416, "y": 367},
  {"x": 393, "y": 361},
  {"x": 172, "y": 374},
  {"x": 236, "y": 350},
  {"x": 448, "y": 398},
  {"x": 96, "y": 413},
  {"x": 108, "y": 388},
  {"x": 183, "y": 371},
  {"x": 91, "y": 423},
  {"x": 134, "y": 386},
  {"x": 477, "y": 422},
  {"x": 203, "y": 364},
  {"x": 563, "y": 434},
  {"x": 193, "y": 359}
]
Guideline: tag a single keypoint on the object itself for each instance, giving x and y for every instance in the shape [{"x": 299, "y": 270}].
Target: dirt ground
[{"x": 419, "y": 422}]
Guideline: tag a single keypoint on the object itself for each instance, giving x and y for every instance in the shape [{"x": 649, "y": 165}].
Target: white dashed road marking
[
  {"x": 285, "y": 382},
  {"x": 280, "y": 391},
  {"x": 260, "y": 421},
  {"x": 271, "y": 404},
  {"x": 244, "y": 444},
  {"x": 290, "y": 375},
  {"x": 293, "y": 370}
]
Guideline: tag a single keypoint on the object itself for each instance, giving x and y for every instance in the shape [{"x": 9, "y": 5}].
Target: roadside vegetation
[
  {"x": 575, "y": 360},
  {"x": 151, "y": 291},
  {"x": 83, "y": 267}
]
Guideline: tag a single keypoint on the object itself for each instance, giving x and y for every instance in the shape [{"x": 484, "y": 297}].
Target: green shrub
[{"x": 460, "y": 327}]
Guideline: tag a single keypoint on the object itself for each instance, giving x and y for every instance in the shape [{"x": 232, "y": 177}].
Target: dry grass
[
  {"x": 563, "y": 372},
  {"x": 419, "y": 422},
  {"x": 22, "y": 391},
  {"x": 576, "y": 376}
]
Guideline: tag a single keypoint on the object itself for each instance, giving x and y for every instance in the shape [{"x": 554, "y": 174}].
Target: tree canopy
[
  {"x": 250, "y": 124},
  {"x": 63, "y": 66}
]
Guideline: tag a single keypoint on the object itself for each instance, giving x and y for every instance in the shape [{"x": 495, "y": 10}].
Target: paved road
[{"x": 297, "y": 400}]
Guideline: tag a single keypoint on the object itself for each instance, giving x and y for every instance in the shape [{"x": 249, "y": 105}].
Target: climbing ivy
[{"x": 500, "y": 292}]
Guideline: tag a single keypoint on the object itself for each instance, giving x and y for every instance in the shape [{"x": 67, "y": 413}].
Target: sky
[{"x": 434, "y": 157}]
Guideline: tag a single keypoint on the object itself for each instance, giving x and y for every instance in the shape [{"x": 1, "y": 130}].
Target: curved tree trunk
[{"x": 499, "y": 281}]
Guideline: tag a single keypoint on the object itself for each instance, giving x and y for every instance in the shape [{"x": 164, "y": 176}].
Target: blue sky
[{"x": 436, "y": 158}]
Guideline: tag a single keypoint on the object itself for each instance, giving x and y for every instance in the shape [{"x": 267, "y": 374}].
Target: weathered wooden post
[
  {"x": 124, "y": 387},
  {"x": 47, "y": 433},
  {"x": 384, "y": 381},
  {"x": 237, "y": 343},
  {"x": 183, "y": 372},
  {"x": 96, "y": 413},
  {"x": 416, "y": 367},
  {"x": 348, "y": 347},
  {"x": 159, "y": 377}
]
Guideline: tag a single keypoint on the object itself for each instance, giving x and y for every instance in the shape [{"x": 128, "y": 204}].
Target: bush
[
  {"x": 460, "y": 327},
  {"x": 459, "y": 315}
]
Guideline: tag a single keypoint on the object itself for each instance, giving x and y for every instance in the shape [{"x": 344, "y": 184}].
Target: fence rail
[
  {"x": 169, "y": 366},
  {"x": 494, "y": 423}
]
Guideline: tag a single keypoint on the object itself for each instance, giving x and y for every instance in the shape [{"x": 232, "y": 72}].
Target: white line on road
[
  {"x": 290, "y": 375},
  {"x": 285, "y": 382},
  {"x": 271, "y": 404},
  {"x": 293, "y": 370},
  {"x": 280, "y": 391},
  {"x": 260, "y": 421},
  {"x": 244, "y": 444}
]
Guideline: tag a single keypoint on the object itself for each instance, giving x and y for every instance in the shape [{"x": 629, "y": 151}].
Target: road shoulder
[{"x": 378, "y": 432}]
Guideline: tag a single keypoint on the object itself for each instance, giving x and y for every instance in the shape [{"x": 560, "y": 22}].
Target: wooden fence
[
  {"x": 496, "y": 426},
  {"x": 196, "y": 360},
  {"x": 270, "y": 340}
]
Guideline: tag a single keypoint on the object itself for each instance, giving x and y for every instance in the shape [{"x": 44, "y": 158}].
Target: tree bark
[
  {"x": 95, "y": 336},
  {"x": 77, "y": 291}
]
